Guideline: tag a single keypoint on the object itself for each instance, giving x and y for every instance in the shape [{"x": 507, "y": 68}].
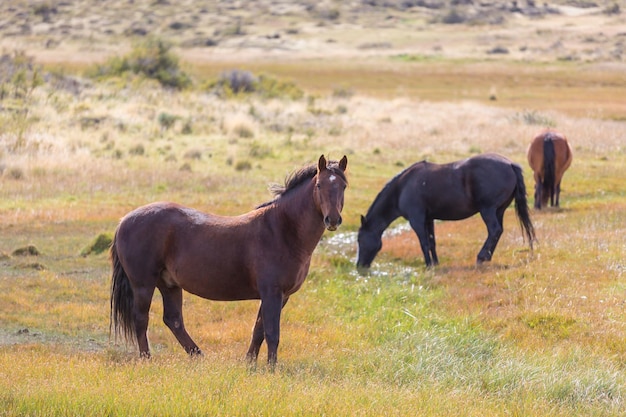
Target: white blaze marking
[{"x": 332, "y": 178}]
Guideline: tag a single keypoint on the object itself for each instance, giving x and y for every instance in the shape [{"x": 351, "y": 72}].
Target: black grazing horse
[{"x": 484, "y": 184}]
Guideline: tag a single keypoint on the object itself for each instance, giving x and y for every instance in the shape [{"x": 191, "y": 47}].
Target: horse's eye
[{"x": 318, "y": 185}]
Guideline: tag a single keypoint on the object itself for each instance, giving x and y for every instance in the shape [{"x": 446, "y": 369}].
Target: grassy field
[{"x": 529, "y": 334}]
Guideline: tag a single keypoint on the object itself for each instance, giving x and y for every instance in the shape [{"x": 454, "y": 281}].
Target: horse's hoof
[{"x": 195, "y": 352}]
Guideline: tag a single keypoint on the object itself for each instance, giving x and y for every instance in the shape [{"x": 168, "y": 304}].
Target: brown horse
[
  {"x": 549, "y": 155},
  {"x": 264, "y": 254}
]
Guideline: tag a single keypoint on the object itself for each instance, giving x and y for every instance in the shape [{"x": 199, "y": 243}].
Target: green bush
[
  {"x": 269, "y": 87},
  {"x": 453, "y": 17},
  {"x": 166, "y": 120},
  {"x": 235, "y": 83},
  {"x": 99, "y": 244},
  {"x": 243, "y": 166},
  {"x": 153, "y": 60}
]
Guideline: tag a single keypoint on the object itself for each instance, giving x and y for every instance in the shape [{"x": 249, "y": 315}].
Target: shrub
[
  {"x": 167, "y": 120},
  {"x": 138, "y": 150},
  {"x": 533, "y": 118},
  {"x": 329, "y": 14},
  {"x": 612, "y": 9},
  {"x": 243, "y": 131},
  {"x": 498, "y": 50},
  {"x": 269, "y": 87},
  {"x": 19, "y": 77},
  {"x": 193, "y": 154},
  {"x": 237, "y": 82},
  {"x": 187, "y": 127},
  {"x": 243, "y": 166},
  {"x": 341, "y": 109},
  {"x": 453, "y": 17},
  {"x": 16, "y": 173},
  {"x": 101, "y": 243},
  {"x": 258, "y": 150},
  {"x": 341, "y": 92},
  {"x": 30, "y": 250},
  {"x": 152, "y": 59}
]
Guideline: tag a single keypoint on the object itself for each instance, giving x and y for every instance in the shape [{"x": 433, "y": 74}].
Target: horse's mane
[{"x": 298, "y": 177}]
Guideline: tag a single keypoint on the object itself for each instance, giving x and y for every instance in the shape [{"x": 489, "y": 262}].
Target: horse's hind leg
[
  {"x": 141, "y": 309},
  {"x": 173, "y": 317},
  {"x": 493, "y": 220},
  {"x": 557, "y": 189},
  {"x": 538, "y": 191}
]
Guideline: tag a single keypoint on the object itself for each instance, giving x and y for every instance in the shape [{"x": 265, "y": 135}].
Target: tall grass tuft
[{"x": 19, "y": 77}]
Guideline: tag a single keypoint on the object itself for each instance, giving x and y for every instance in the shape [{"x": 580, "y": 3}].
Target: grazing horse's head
[
  {"x": 369, "y": 244},
  {"x": 330, "y": 185}
]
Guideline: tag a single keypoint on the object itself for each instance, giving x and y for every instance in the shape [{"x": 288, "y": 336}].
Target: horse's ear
[
  {"x": 321, "y": 164},
  {"x": 363, "y": 221},
  {"x": 343, "y": 164}
]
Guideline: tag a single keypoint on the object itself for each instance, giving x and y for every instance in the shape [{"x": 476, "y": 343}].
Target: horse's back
[
  {"x": 490, "y": 175},
  {"x": 489, "y": 160},
  {"x": 149, "y": 233},
  {"x": 156, "y": 220},
  {"x": 562, "y": 151},
  {"x": 184, "y": 246},
  {"x": 458, "y": 189}
]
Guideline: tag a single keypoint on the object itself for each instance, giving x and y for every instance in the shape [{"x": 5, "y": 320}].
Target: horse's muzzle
[
  {"x": 332, "y": 225},
  {"x": 363, "y": 269}
]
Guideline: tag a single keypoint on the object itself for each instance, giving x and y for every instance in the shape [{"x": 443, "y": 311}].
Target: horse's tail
[
  {"x": 121, "y": 320},
  {"x": 521, "y": 206},
  {"x": 549, "y": 167}
]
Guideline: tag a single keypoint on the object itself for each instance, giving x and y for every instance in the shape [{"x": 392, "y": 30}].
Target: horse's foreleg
[
  {"x": 173, "y": 318},
  {"x": 271, "y": 306},
  {"x": 419, "y": 226},
  {"x": 493, "y": 221},
  {"x": 431, "y": 240},
  {"x": 258, "y": 335}
]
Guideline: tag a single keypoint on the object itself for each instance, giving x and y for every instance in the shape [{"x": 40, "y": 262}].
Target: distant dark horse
[
  {"x": 484, "y": 184},
  {"x": 549, "y": 155},
  {"x": 264, "y": 254}
]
